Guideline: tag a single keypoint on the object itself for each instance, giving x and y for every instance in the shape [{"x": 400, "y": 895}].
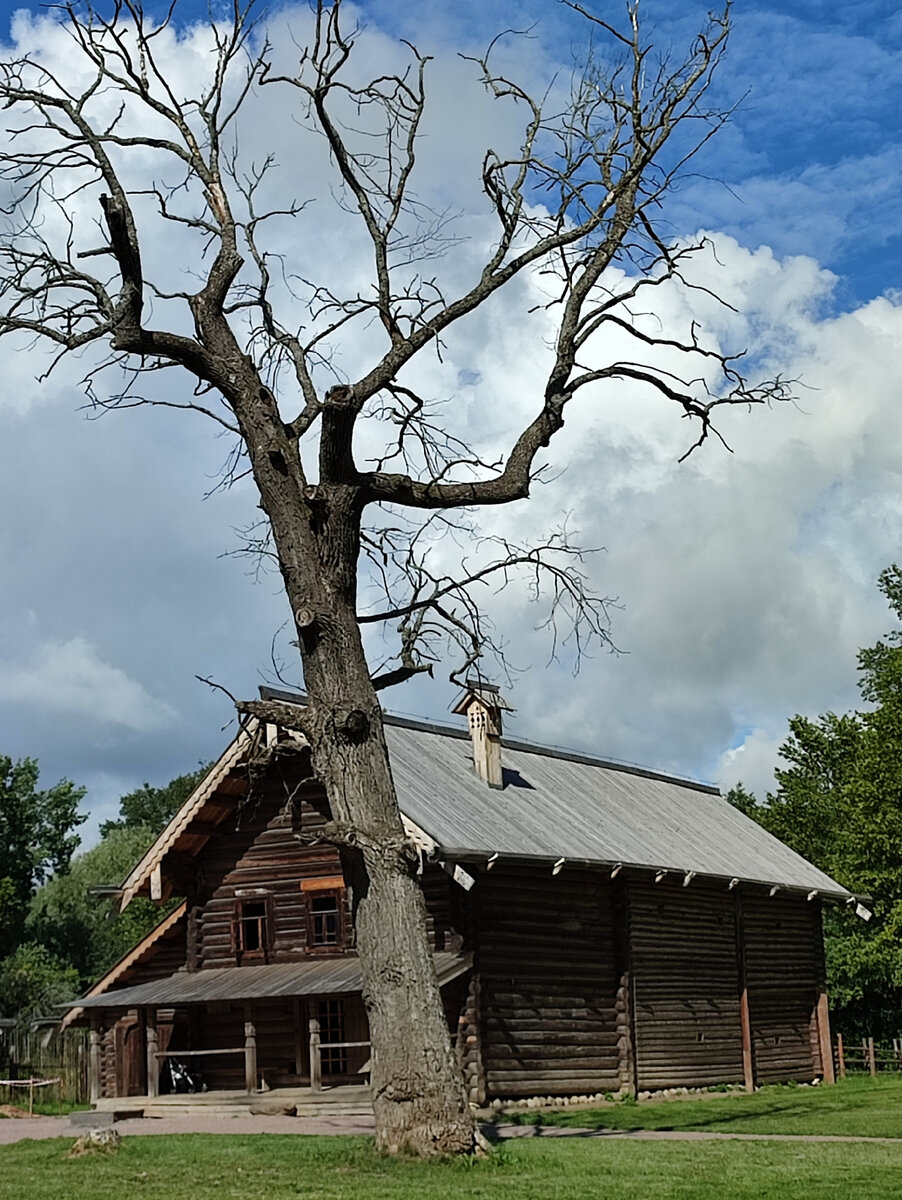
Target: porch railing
[
  {"x": 316, "y": 1053},
  {"x": 155, "y": 1057}
]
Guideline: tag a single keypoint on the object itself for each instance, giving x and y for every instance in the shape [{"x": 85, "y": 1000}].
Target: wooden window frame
[
  {"x": 331, "y": 889},
  {"x": 260, "y": 953}
]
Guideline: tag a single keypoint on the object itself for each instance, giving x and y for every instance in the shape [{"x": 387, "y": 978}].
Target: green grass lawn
[
  {"x": 279, "y": 1167},
  {"x": 858, "y": 1106}
]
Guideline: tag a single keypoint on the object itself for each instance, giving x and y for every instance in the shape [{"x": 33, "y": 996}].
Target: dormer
[{"x": 483, "y": 704}]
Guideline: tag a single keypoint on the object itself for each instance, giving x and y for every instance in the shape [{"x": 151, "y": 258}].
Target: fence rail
[{"x": 866, "y": 1055}]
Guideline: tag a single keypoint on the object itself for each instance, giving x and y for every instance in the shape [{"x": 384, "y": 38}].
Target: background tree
[
  {"x": 152, "y": 808},
  {"x": 33, "y": 982},
  {"x": 84, "y": 930},
  {"x": 99, "y": 160},
  {"x": 839, "y": 803},
  {"x": 37, "y": 839}
]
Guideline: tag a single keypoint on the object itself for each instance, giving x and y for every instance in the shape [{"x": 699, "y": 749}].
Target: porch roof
[{"x": 316, "y": 977}]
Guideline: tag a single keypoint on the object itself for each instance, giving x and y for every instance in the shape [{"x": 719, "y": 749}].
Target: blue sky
[
  {"x": 747, "y": 581},
  {"x": 811, "y": 162}
]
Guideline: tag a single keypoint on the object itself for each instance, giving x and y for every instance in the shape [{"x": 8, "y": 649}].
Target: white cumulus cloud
[{"x": 69, "y": 679}]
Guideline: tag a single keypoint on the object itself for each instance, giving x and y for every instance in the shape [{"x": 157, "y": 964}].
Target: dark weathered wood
[
  {"x": 783, "y": 965},
  {"x": 685, "y": 984},
  {"x": 545, "y": 955}
]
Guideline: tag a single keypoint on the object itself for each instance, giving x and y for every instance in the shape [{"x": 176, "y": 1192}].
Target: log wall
[
  {"x": 260, "y": 851},
  {"x": 685, "y": 982},
  {"x": 547, "y": 982},
  {"x": 784, "y": 963}
]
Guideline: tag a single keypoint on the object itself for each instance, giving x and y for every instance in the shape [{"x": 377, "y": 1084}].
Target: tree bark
[{"x": 419, "y": 1098}]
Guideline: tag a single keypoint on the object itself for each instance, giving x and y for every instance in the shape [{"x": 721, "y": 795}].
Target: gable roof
[
  {"x": 587, "y": 811},
  {"x": 554, "y": 805}
]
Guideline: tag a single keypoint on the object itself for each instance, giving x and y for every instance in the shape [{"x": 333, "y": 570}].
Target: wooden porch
[{"x": 346, "y": 1100}]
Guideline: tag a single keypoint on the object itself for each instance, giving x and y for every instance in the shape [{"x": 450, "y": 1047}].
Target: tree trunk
[{"x": 418, "y": 1091}]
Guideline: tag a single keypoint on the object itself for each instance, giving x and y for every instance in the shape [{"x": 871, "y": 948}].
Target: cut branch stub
[
  {"x": 304, "y": 617},
  {"x": 353, "y": 724}
]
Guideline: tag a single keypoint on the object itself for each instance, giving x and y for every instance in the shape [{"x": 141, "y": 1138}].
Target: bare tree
[{"x": 98, "y": 160}]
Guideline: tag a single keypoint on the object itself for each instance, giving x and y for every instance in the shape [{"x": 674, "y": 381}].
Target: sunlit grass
[
  {"x": 858, "y": 1106},
  {"x": 278, "y": 1167}
]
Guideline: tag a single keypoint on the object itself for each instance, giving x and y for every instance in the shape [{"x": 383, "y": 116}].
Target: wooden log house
[{"x": 596, "y": 927}]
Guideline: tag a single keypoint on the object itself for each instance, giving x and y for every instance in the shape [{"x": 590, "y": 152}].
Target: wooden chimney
[{"x": 483, "y": 704}]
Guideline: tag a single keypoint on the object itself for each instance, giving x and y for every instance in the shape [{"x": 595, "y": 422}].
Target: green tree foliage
[
  {"x": 33, "y": 981},
  {"x": 36, "y": 840},
  {"x": 153, "y": 807},
  {"x": 88, "y": 931},
  {"x": 839, "y": 803}
]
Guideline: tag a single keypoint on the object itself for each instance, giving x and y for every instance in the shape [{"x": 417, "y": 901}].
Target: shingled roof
[{"x": 554, "y": 805}]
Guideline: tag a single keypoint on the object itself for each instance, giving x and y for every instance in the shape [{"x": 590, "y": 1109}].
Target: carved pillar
[
  {"x": 250, "y": 1056},
  {"x": 94, "y": 1060},
  {"x": 153, "y": 1063},
  {"x": 316, "y": 1069}
]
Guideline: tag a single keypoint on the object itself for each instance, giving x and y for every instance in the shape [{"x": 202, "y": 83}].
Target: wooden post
[
  {"x": 745, "y": 1019},
  {"x": 250, "y": 1056},
  {"x": 840, "y": 1056},
  {"x": 316, "y": 1070},
  {"x": 153, "y": 1063},
  {"x": 94, "y": 1061},
  {"x": 872, "y": 1060},
  {"x": 31, "y": 1096},
  {"x": 822, "y": 1016},
  {"x": 623, "y": 1001}
]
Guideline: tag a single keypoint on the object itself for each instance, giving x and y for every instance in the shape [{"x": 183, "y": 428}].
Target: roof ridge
[{"x": 526, "y": 747}]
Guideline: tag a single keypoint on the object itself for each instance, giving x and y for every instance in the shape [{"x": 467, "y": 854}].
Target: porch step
[
  {"x": 349, "y": 1101},
  {"x": 235, "y": 1110}
]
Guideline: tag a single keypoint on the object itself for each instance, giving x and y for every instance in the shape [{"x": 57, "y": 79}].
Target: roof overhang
[{"x": 313, "y": 977}]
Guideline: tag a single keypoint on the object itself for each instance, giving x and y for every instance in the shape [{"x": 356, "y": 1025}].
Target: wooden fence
[
  {"x": 40, "y": 1054},
  {"x": 866, "y": 1055}
]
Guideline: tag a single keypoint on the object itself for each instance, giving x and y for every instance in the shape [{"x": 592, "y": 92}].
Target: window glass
[
  {"x": 332, "y": 1029},
  {"x": 325, "y": 919}
]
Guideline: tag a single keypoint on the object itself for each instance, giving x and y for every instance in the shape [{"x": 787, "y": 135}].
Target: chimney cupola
[{"x": 483, "y": 704}]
